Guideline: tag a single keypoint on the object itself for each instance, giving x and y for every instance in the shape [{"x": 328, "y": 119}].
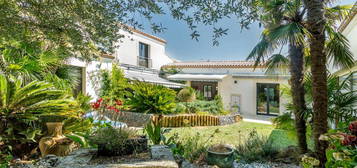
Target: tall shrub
[
  {"x": 22, "y": 107},
  {"x": 150, "y": 98}
]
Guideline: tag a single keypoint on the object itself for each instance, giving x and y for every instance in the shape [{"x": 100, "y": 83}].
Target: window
[
  {"x": 207, "y": 91},
  {"x": 268, "y": 99},
  {"x": 143, "y": 55}
]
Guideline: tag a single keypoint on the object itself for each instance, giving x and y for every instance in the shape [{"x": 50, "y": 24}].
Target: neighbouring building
[
  {"x": 140, "y": 55},
  {"x": 244, "y": 88}
]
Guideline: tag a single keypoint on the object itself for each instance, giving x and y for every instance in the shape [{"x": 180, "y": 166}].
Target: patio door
[{"x": 268, "y": 99}]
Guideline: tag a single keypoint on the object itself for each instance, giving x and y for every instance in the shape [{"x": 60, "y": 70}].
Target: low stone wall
[
  {"x": 134, "y": 119},
  {"x": 229, "y": 119},
  {"x": 140, "y": 119}
]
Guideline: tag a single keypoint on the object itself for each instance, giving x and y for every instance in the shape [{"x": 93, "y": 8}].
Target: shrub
[
  {"x": 193, "y": 148},
  {"x": 155, "y": 132},
  {"x": 112, "y": 138},
  {"x": 21, "y": 108},
  {"x": 150, "y": 98},
  {"x": 342, "y": 151},
  {"x": 256, "y": 148},
  {"x": 211, "y": 107},
  {"x": 284, "y": 122},
  {"x": 186, "y": 94}
]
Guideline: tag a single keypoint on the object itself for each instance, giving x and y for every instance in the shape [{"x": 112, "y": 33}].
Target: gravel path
[{"x": 264, "y": 165}]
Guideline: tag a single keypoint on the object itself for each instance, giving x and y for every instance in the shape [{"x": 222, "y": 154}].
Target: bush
[
  {"x": 186, "y": 94},
  {"x": 112, "y": 138},
  {"x": 211, "y": 107},
  {"x": 21, "y": 111},
  {"x": 150, "y": 98},
  {"x": 284, "y": 122},
  {"x": 193, "y": 148},
  {"x": 256, "y": 148}
]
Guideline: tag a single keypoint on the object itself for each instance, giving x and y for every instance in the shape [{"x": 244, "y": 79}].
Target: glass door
[{"x": 268, "y": 99}]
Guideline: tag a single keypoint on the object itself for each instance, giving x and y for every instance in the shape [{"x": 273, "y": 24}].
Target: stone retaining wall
[
  {"x": 229, "y": 119},
  {"x": 134, "y": 119},
  {"x": 139, "y": 119}
]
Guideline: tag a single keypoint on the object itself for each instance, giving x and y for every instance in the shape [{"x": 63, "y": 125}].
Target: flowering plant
[
  {"x": 107, "y": 104},
  {"x": 342, "y": 151}
]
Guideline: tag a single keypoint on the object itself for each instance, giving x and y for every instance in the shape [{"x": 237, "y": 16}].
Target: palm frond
[
  {"x": 338, "y": 13},
  {"x": 277, "y": 64},
  {"x": 261, "y": 50},
  {"x": 338, "y": 49}
]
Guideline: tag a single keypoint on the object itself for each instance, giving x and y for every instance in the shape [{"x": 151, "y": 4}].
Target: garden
[{"x": 45, "y": 121}]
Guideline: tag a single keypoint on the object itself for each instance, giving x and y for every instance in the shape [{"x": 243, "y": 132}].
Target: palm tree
[
  {"x": 316, "y": 23},
  {"x": 21, "y": 107},
  {"x": 341, "y": 98},
  {"x": 285, "y": 25}
]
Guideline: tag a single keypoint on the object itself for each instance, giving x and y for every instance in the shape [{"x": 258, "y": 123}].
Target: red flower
[
  {"x": 353, "y": 127},
  {"x": 119, "y": 102},
  {"x": 95, "y": 105},
  {"x": 349, "y": 140}
]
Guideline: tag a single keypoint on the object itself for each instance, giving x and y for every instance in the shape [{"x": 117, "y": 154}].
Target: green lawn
[{"x": 236, "y": 133}]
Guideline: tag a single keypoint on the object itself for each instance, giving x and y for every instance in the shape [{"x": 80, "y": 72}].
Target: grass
[{"x": 237, "y": 133}]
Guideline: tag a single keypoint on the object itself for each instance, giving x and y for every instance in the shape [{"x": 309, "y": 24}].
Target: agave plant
[{"x": 21, "y": 109}]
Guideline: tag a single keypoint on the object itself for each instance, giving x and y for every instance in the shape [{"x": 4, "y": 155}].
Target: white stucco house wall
[
  {"x": 239, "y": 84},
  {"x": 139, "y": 54}
]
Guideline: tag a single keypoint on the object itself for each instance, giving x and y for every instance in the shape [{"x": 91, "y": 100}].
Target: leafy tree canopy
[{"x": 84, "y": 28}]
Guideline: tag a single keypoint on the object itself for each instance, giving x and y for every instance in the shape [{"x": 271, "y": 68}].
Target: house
[
  {"x": 140, "y": 55},
  {"x": 243, "y": 87},
  {"x": 349, "y": 29}
]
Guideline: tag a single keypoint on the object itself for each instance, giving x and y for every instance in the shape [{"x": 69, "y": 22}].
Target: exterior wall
[
  {"x": 127, "y": 53},
  {"x": 128, "y": 50},
  {"x": 246, "y": 88}
]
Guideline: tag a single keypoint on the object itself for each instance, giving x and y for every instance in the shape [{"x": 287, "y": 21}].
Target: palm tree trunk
[
  {"x": 298, "y": 92},
  {"x": 316, "y": 24}
]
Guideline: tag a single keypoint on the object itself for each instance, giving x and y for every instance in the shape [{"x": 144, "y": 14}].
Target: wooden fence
[{"x": 187, "y": 120}]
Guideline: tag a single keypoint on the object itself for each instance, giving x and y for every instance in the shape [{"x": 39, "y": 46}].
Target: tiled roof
[
  {"x": 352, "y": 14},
  {"x": 213, "y": 64}
]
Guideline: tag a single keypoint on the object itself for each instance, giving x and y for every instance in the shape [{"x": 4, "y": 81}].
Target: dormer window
[{"x": 144, "y": 59}]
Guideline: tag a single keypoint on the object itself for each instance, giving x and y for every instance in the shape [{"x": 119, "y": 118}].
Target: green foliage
[
  {"x": 341, "y": 100},
  {"x": 191, "y": 148},
  {"x": 155, "y": 132},
  {"x": 186, "y": 94},
  {"x": 21, "y": 107},
  {"x": 284, "y": 122},
  {"x": 112, "y": 138},
  {"x": 105, "y": 84},
  {"x": 256, "y": 148},
  {"x": 342, "y": 151},
  {"x": 211, "y": 107},
  {"x": 79, "y": 130},
  {"x": 83, "y": 102},
  {"x": 5, "y": 159},
  {"x": 150, "y": 98}
]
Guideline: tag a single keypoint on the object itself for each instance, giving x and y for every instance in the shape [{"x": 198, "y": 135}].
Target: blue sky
[{"x": 234, "y": 46}]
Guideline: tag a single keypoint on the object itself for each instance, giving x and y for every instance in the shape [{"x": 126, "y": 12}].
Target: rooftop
[{"x": 213, "y": 64}]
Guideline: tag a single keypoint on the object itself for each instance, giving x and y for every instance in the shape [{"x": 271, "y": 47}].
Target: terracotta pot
[{"x": 55, "y": 142}]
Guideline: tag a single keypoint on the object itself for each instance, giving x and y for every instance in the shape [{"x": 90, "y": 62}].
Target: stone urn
[{"x": 55, "y": 142}]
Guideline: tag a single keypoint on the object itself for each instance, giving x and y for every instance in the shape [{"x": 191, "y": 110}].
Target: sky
[{"x": 236, "y": 45}]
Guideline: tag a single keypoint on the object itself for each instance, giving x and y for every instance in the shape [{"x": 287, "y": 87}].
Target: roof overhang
[
  {"x": 196, "y": 77},
  {"x": 260, "y": 75},
  {"x": 151, "y": 78}
]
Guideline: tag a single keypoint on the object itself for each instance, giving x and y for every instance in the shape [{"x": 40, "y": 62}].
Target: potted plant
[
  {"x": 220, "y": 155},
  {"x": 119, "y": 141}
]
